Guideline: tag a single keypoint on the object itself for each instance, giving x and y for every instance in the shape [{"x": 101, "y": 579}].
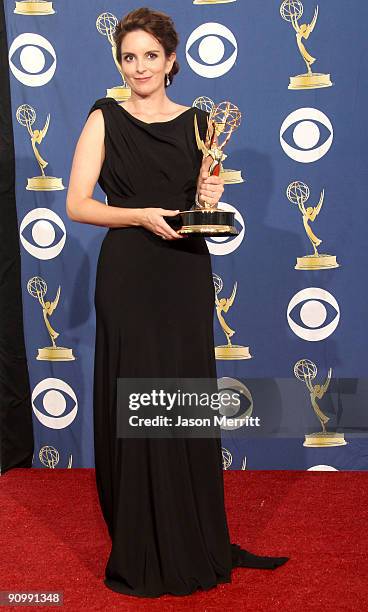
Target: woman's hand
[
  {"x": 153, "y": 220},
  {"x": 209, "y": 188}
]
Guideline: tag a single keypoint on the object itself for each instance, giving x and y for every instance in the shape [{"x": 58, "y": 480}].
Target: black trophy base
[{"x": 207, "y": 222}]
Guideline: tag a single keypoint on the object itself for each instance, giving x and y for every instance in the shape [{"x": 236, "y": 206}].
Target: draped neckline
[{"x": 153, "y": 122}]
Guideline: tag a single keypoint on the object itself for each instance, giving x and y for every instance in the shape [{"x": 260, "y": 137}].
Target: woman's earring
[{"x": 167, "y": 80}]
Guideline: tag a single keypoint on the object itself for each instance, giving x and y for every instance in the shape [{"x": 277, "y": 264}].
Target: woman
[{"x": 162, "y": 499}]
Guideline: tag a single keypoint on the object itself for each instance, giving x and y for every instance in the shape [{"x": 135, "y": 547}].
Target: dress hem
[{"x": 118, "y": 587}]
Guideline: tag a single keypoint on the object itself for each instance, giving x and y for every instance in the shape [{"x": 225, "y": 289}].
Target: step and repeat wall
[{"x": 291, "y": 293}]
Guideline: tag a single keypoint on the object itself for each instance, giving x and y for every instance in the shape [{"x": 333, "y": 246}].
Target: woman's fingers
[
  {"x": 205, "y": 166},
  {"x": 216, "y": 190},
  {"x": 165, "y": 229},
  {"x": 168, "y": 211},
  {"x": 169, "y": 233},
  {"x": 213, "y": 180},
  {"x": 154, "y": 221},
  {"x": 211, "y": 191}
]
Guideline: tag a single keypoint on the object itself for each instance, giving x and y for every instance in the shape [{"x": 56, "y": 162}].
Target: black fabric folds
[{"x": 162, "y": 499}]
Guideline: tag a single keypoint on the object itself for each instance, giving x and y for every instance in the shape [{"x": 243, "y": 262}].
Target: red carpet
[{"x": 53, "y": 538}]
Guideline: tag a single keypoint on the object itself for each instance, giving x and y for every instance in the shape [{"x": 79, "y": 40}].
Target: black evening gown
[{"x": 162, "y": 499}]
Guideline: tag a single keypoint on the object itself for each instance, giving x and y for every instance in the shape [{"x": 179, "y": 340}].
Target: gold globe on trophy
[
  {"x": 31, "y": 7},
  {"x": 26, "y": 116},
  {"x": 230, "y": 177},
  {"x": 291, "y": 11},
  {"x": 228, "y": 351},
  {"x": 37, "y": 288},
  {"x": 207, "y": 219},
  {"x": 298, "y": 193},
  {"x": 306, "y": 371},
  {"x": 106, "y": 24},
  {"x": 49, "y": 457}
]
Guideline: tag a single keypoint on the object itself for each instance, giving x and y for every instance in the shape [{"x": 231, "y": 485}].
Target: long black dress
[{"x": 162, "y": 499}]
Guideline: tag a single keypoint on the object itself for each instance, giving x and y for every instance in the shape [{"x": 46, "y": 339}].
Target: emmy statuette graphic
[
  {"x": 291, "y": 11},
  {"x": 33, "y": 7},
  {"x": 207, "y": 219},
  {"x": 229, "y": 176},
  {"x": 106, "y": 24},
  {"x": 26, "y": 116},
  {"x": 37, "y": 288},
  {"x": 305, "y": 370},
  {"x": 49, "y": 456},
  {"x": 298, "y": 193},
  {"x": 228, "y": 351}
]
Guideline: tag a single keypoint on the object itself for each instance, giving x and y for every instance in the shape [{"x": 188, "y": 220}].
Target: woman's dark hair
[{"x": 156, "y": 23}]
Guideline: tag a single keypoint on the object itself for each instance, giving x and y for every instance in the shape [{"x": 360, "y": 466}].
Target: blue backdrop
[{"x": 244, "y": 52}]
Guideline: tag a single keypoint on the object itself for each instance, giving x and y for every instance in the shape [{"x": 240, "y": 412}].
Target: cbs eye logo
[
  {"x": 311, "y": 127},
  {"x": 322, "y": 468},
  {"x": 211, "y": 50},
  {"x": 231, "y": 409},
  {"x": 313, "y": 314},
  {"x": 54, "y": 412},
  {"x": 43, "y": 233},
  {"x": 33, "y": 58},
  {"x": 223, "y": 245}
]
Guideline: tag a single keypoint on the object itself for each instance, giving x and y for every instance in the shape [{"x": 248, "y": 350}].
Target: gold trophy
[
  {"x": 291, "y": 11},
  {"x": 106, "y": 24},
  {"x": 298, "y": 193},
  {"x": 228, "y": 351},
  {"x": 230, "y": 177},
  {"x": 207, "y": 219},
  {"x": 26, "y": 116},
  {"x": 305, "y": 370},
  {"x": 49, "y": 457},
  {"x": 33, "y": 7},
  {"x": 37, "y": 288}
]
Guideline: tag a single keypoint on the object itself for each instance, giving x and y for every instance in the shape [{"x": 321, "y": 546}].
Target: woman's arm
[
  {"x": 87, "y": 162},
  {"x": 88, "y": 158}
]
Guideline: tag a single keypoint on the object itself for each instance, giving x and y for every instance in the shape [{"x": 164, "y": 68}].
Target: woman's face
[{"x": 143, "y": 57}]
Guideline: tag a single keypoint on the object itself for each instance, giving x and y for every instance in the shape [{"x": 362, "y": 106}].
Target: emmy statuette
[
  {"x": 106, "y": 24},
  {"x": 230, "y": 176},
  {"x": 305, "y": 371},
  {"x": 37, "y": 288},
  {"x": 207, "y": 219},
  {"x": 26, "y": 116},
  {"x": 291, "y": 11},
  {"x": 228, "y": 351},
  {"x": 298, "y": 193},
  {"x": 33, "y": 7}
]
